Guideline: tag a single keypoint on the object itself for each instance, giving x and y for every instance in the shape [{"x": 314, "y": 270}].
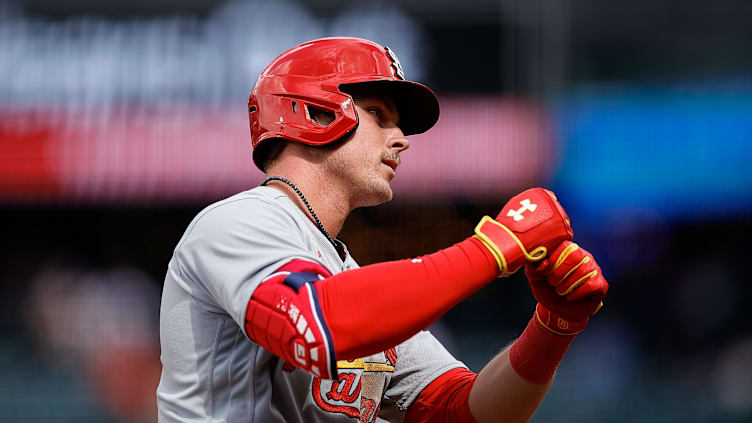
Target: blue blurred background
[{"x": 119, "y": 121}]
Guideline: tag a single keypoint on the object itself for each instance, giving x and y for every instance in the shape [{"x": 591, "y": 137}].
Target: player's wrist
[
  {"x": 504, "y": 246},
  {"x": 536, "y": 354}
]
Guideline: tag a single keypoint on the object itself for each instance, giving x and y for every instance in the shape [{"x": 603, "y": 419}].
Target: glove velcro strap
[
  {"x": 504, "y": 245},
  {"x": 558, "y": 324}
]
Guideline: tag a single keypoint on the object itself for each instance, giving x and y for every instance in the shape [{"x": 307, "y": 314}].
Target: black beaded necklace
[{"x": 308, "y": 206}]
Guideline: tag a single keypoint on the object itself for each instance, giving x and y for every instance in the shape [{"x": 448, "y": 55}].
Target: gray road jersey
[{"x": 212, "y": 371}]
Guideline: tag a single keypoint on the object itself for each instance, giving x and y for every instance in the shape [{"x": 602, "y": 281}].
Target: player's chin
[
  {"x": 380, "y": 192},
  {"x": 387, "y": 193},
  {"x": 383, "y": 196}
]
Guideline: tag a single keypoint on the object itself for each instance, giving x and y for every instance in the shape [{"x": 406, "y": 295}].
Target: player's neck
[{"x": 330, "y": 204}]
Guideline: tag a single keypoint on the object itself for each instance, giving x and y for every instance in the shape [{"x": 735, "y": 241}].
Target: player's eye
[{"x": 376, "y": 111}]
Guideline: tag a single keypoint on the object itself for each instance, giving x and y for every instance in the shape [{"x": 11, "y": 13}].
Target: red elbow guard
[
  {"x": 284, "y": 316},
  {"x": 445, "y": 400}
]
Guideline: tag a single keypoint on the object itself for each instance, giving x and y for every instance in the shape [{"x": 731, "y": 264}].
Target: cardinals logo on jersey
[{"x": 343, "y": 395}]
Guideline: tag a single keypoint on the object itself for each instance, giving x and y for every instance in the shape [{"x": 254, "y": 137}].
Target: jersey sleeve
[
  {"x": 419, "y": 361},
  {"x": 231, "y": 247}
]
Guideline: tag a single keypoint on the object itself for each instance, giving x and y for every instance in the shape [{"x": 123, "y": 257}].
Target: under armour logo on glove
[
  {"x": 517, "y": 214},
  {"x": 528, "y": 233}
]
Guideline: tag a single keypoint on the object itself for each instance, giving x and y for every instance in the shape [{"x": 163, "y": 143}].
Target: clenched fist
[
  {"x": 527, "y": 229},
  {"x": 569, "y": 286}
]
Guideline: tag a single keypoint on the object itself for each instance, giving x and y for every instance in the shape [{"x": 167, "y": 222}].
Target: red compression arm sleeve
[
  {"x": 379, "y": 306},
  {"x": 311, "y": 319},
  {"x": 445, "y": 400}
]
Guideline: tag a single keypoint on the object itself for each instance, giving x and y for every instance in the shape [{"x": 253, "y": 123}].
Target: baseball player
[{"x": 267, "y": 318}]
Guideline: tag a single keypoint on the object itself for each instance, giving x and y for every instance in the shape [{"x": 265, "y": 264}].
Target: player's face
[{"x": 368, "y": 161}]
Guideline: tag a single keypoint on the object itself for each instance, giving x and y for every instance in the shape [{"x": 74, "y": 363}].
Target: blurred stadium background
[{"x": 119, "y": 121}]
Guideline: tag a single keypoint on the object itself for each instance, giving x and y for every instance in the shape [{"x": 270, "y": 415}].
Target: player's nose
[{"x": 396, "y": 140}]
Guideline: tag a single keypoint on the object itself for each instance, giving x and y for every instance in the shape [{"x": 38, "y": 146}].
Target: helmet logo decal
[{"x": 395, "y": 63}]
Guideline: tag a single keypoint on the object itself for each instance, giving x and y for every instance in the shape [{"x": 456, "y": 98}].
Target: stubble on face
[{"x": 359, "y": 169}]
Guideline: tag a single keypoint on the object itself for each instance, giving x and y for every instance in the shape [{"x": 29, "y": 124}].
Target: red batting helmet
[{"x": 313, "y": 75}]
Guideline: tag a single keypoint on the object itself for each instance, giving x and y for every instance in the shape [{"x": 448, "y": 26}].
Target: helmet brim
[{"x": 418, "y": 106}]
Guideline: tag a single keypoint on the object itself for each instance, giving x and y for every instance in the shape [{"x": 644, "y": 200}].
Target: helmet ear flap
[{"x": 318, "y": 117}]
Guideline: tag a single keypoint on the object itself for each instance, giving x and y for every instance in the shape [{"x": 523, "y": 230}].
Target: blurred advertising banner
[
  {"x": 164, "y": 155},
  {"x": 677, "y": 150},
  {"x": 152, "y": 110}
]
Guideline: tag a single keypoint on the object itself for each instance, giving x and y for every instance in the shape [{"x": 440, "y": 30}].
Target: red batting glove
[
  {"x": 569, "y": 287},
  {"x": 529, "y": 226}
]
